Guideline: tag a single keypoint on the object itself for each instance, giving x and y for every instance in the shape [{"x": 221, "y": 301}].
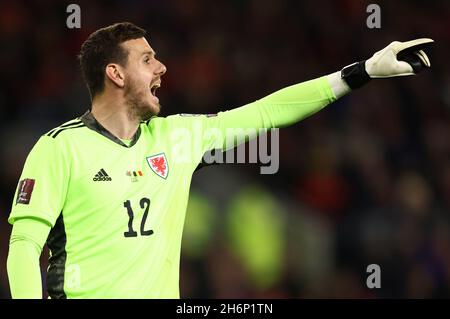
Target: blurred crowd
[{"x": 364, "y": 181}]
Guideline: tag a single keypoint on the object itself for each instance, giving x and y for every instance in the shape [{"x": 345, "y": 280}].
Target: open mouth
[{"x": 154, "y": 87}]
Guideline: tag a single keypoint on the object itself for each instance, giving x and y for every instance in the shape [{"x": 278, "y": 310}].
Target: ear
[{"x": 115, "y": 73}]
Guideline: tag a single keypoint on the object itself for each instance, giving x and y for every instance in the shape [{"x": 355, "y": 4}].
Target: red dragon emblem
[{"x": 158, "y": 164}]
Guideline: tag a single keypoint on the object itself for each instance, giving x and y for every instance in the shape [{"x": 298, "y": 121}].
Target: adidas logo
[{"x": 102, "y": 176}]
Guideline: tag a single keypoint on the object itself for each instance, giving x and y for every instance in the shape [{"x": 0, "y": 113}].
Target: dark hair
[{"x": 103, "y": 47}]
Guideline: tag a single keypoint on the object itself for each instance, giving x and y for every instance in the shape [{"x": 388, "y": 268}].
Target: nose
[{"x": 161, "y": 68}]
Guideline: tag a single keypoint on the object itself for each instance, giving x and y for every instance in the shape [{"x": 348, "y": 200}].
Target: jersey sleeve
[
  {"x": 28, "y": 236},
  {"x": 282, "y": 108},
  {"x": 42, "y": 186}
]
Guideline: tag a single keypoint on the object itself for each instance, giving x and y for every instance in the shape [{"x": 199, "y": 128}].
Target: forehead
[{"x": 137, "y": 46}]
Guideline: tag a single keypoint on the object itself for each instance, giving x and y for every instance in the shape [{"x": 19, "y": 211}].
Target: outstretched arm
[{"x": 294, "y": 103}]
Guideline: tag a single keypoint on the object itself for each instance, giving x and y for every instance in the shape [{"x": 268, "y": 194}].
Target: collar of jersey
[{"x": 89, "y": 120}]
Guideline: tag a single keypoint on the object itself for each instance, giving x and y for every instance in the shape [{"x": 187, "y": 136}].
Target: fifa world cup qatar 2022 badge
[
  {"x": 24, "y": 191},
  {"x": 159, "y": 165}
]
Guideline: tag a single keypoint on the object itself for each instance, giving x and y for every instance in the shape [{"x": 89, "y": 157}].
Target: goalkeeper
[{"x": 105, "y": 190}]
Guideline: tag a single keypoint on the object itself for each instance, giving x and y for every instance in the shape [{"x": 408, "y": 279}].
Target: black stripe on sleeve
[
  {"x": 56, "y": 242},
  {"x": 67, "y": 128},
  {"x": 51, "y": 132},
  {"x": 70, "y": 124},
  {"x": 64, "y": 126}
]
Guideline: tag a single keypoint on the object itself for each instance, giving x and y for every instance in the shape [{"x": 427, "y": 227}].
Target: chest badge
[
  {"x": 134, "y": 175},
  {"x": 159, "y": 165}
]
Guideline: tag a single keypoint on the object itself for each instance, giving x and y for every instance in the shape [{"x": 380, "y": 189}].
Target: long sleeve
[
  {"x": 283, "y": 107},
  {"x": 196, "y": 134},
  {"x": 279, "y": 109},
  {"x": 27, "y": 239}
]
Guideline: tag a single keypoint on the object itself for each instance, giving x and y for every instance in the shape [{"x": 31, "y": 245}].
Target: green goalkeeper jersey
[{"x": 117, "y": 209}]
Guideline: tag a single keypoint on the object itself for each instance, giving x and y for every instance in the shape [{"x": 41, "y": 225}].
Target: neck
[{"x": 111, "y": 112}]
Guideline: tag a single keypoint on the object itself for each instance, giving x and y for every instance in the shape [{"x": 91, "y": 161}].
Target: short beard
[{"x": 138, "y": 109}]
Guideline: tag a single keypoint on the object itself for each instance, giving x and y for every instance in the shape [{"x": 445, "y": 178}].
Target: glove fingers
[
  {"x": 423, "y": 57},
  {"x": 412, "y": 53},
  {"x": 414, "y": 60},
  {"x": 413, "y": 45}
]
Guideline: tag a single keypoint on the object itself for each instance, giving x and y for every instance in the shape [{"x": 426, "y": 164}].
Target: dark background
[{"x": 364, "y": 181}]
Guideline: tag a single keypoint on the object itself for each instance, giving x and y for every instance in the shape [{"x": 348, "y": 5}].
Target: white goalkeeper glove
[{"x": 397, "y": 59}]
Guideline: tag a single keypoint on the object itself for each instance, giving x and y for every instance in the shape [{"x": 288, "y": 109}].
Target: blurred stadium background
[{"x": 366, "y": 180}]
